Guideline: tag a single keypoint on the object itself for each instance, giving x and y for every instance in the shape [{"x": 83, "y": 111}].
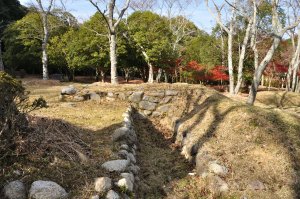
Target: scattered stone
[
  {"x": 95, "y": 197},
  {"x": 95, "y": 97},
  {"x": 136, "y": 96},
  {"x": 78, "y": 98},
  {"x": 148, "y": 113},
  {"x": 112, "y": 195},
  {"x": 256, "y": 185},
  {"x": 120, "y": 133},
  {"x": 150, "y": 106},
  {"x": 157, "y": 94},
  {"x": 131, "y": 157},
  {"x": 15, "y": 190},
  {"x": 116, "y": 165},
  {"x": 124, "y": 147},
  {"x": 217, "y": 185},
  {"x": 70, "y": 90},
  {"x": 125, "y": 182},
  {"x": 46, "y": 190},
  {"x": 216, "y": 168},
  {"x": 151, "y": 99},
  {"x": 171, "y": 92},
  {"x": 166, "y": 100},
  {"x": 102, "y": 184},
  {"x": 129, "y": 176},
  {"x": 163, "y": 108}
]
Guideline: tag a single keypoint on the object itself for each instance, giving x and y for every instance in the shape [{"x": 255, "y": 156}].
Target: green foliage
[
  {"x": 151, "y": 34},
  {"x": 203, "y": 49}
]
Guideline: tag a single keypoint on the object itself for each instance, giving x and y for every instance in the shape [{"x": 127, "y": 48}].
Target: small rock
[
  {"x": 124, "y": 147},
  {"x": 127, "y": 119},
  {"x": 119, "y": 133},
  {"x": 166, "y": 100},
  {"x": 112, "y": 195},
  {"x": 70, "y": 90},
  {"x": 95, "y": 97},
  {"x": 150, "y": 106},
  {"x": 131, "y": 157},
  {"x": 126, "y": 114},
  {"x": 256, "y": 185},
  {"x": 15, "y": 190},
  {"x": 110, "y": 94},
  {"x": 217, "y": 185},
  {"x": 164, "y": 108},
  {"x": 124, "y": 182},
  {"x": 102, "y": 184},
  {"x": 123, "y": 154},
  {"x": 116, "y": 165},
  {"x": 146, "y": 112},
  {"x": 17, "y": 172},
  {"x": 136, "y": 96},
  {"x": 216, "y": 168},
  {"x": 156, "y": 114},
  {"x": 151, "y": 99},
  {"x": 95, "y": 197},
  {"x": 129, "y": 176},
  {"x": 134, "y": 169},
  {"x": 171, "y": 92},
  {"x": 46, "y": 190}
]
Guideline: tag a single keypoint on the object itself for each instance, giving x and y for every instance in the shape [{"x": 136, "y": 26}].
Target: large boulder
[
  {"x": 136, "y": 96},
  {"x": 46, "y": 190},
  {"x": 95, "y": 97},
  {"x": 116, "y": 165},
  {"x": 150, "y": 106},
  {"x": 102, "y": 184},
  {"x": 15, "y": 190},
  {"x": 70, "y": 90}
]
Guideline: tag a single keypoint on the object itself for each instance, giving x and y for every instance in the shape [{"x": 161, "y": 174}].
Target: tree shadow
[{"x": 160, "y": 163}]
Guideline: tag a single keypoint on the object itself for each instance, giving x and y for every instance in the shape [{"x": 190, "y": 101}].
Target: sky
[{"x": 82, "y": 10}]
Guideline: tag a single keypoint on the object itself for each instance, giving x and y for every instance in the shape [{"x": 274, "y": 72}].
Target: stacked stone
[
  {"x": 153, "y": 103},
  {"x": 124, "y": 185}
]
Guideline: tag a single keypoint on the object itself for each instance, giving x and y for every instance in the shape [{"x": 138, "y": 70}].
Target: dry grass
[
  {"x": 69, "y": 143},
  {"x": 254, "y": 143}
]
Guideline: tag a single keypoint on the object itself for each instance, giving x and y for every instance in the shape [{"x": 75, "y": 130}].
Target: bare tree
[
  {"x": 112, "y": 25},
  {"x": 44, "y": 13},
  {"x": 230, "y": 31},
  {"x": 277, "y": 33}
]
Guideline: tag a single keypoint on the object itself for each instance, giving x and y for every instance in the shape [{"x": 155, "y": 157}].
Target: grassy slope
[
  {"x": 90, "y": 122},
  {"x": 253, "y": 142}
]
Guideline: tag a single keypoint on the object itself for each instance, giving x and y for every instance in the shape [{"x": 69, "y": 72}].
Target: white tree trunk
[
  {"x": 159, "y": 75},
  {"x": 293, "y": 65},
  {"x": 260, "y": 69},
  {"x": 44, "y": 47},
  {"x": 1, "y": 60},
  {"x": 113, "y": 59},
  {"x": 150, "y": 77},
  {"x": 242, "y": 58},
  {"x": 230, "y": 64}
]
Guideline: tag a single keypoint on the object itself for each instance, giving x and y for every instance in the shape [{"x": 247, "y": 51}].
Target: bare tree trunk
[
  {"x": 230, "y": 63},
  {"x": 242, "y": 57},
  {"x": 150, "y": 77},
  {"x": 113, "y": 59},
  {"x": 166, "y": 76},
  {"x": 294, "y": 82},
  {"x": 222, "y": 48},
  {"x": 260, "y": 69},
  {"x": 293, "y": 65},
  {"x": 1, "y": 60},
  {"x": 44, "y": 47}
]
